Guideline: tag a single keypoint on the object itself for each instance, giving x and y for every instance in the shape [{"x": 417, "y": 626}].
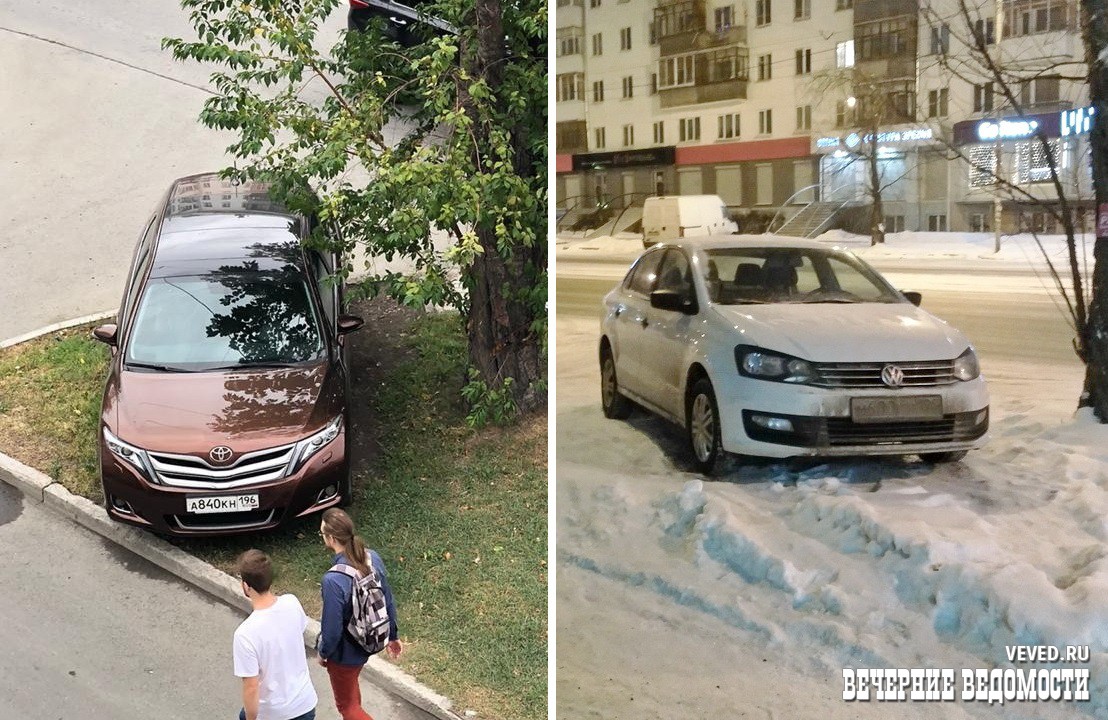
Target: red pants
[{"x": 348, "y": 695}]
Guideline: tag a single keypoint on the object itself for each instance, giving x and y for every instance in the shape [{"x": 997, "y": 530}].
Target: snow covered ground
[{"x": 746, "y": 596}]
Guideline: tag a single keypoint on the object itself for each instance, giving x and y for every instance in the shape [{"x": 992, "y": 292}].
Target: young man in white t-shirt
[{"x": 269, "y": 649}]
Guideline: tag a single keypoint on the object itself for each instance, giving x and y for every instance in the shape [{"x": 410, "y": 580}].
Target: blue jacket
[{"x": 335, "y": 644}]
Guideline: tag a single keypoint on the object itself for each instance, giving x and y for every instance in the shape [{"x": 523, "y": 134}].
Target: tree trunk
[
  {"x": 877, "y": 208},
  {"x": 1095, "y": 33},
  {"x": 502, "y": 343}
]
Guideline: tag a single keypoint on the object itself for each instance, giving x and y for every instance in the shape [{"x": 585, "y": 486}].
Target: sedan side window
[
  {"x": 675, "y": 273},
  {"x": 645, "y": 273},
  {"x": 328, "y": 292}
]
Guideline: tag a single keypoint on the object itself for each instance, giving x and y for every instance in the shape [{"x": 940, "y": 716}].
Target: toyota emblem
[
  {"x": 222, "y": 453},
  {"x": 891, "y": 375}
]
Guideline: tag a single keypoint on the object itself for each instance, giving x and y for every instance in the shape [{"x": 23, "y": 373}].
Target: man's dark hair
[{"x": 255, "y": 570}]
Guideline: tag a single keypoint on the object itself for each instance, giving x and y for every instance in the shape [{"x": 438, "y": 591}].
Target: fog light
[
  {"x": 773, "y": 423},
  {"x": 327, "y": 493},
  {"x": 122, "y": 506},
  {"x": 980, "y": 417}
]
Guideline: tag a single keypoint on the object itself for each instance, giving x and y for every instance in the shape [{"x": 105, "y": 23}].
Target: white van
[{"x": 670, "y": 217}]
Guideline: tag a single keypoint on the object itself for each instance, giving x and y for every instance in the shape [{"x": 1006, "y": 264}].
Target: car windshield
[
  {"x": 225, "y": 319},
  {"x": 737, "y": 276}
]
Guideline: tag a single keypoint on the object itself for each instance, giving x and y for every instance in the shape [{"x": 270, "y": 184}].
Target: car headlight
[
  {"x": 133, "y": 456},
  {"x": 966, "y": 367},
  {"x": 311, "y": 445},
  {"x": 768, "y": 365}
]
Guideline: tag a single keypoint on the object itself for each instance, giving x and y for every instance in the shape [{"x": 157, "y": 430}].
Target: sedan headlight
[
  {"x": 133, "y": 456},
  {"x": 768, "y": 365},
  {"x": 966, "y": 367},
  {"x": 311, "y": 445}
]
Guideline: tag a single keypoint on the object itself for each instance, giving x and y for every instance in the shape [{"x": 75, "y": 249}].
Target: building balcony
[
  {"x": 734, "y": 89},
  {"x": 869, "y": 10},
  {"x": 720, "y": 73}
]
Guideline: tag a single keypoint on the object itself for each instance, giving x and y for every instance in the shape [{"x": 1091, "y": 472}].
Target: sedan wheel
[
  {"x": 702, "y": 420},
  {"x": 616, "y": 406}
]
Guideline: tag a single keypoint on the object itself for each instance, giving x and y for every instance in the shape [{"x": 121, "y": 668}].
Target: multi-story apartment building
[{"x": 773, "y": 103}]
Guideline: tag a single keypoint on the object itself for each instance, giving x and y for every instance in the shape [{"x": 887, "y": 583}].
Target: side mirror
[
  {"x": 105, "y": 334},
  {"x": 674, "y": 301},
  {"x": 913, "y": 297},
  {"x": 349, "y": 323}
]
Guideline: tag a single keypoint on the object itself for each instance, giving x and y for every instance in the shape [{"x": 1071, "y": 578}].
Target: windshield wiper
[
  {"x": 153, "y": 366},
  {"x": 257, "y": 364}
]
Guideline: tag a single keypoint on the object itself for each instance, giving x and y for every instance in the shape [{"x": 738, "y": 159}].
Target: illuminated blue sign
[{"x": 1076, "y": 122}]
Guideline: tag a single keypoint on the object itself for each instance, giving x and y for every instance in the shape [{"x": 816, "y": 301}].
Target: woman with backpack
[{"x": 356, "y": 596}]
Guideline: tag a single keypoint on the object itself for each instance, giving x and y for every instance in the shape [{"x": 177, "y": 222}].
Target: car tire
[
  {"x": 702, "y": 422},
  {"x": 616, "y": 405},
  {"x": 943, "y": 457}
]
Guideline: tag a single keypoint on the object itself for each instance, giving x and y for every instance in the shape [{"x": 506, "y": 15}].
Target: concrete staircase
[{"x": 812, "y": 220}]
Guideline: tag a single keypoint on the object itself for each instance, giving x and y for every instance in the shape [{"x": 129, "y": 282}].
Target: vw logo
[
  {"x": 222, "y": 453},
  {"x": 891, "y": 375}
]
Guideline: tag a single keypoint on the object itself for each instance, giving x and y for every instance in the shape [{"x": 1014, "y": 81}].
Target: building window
[
  {"x": 894, "y": 223},
  {"x": 844, "y": 54},
  {"x": 628, "y": 87},
  {"x": 978, "y": 222},
  {"x": 802, "y": 9},
  {"x": 762, "y": 12},
  {"x": 690, "y": 129},
  {"x": 725, "y": 18},
  {"x": 765, "y": 67},
  {"x": 804, "y": 117},
  {"x": 594, "y": 3},
  {"x": 628, "y": 135},
  {"x": 844, "y": 114},
  {"x": 676, "y": 72},
  {"x": 653, "y": 83},
  {"x": 804, "y": 61},
  {"x": 728, "y": 126},
  {"x": 1041, "y": 91},
  {"x": 937, "y": 103},
  {"x": 659, "y": 133},
  {"x": 844, "y": 4},
  {"x": 1033, "y": 162},
  {"x": 571, "y": 86},
  {"x": 598, "y": 91},
  {"x": 569, "y": 44},
  {"x": 599, "y": 134},
  {"x": 984, "y": 32},
  {"x": 940, "y": 40},
  {"x": 1030, "y": 17},
  {"x": 886, "y": 38},
  {"x": 765, "y": 122},
  {"x": 936, "y": 223},
  {"x": 983, "y": 97},
  {"x": 625, "y": 39},
  {"x": 598, "y": 44},
  {"x": 982, "y": 162}
]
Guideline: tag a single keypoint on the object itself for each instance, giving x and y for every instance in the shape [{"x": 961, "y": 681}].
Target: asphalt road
[{"x": 93, "y": 632}]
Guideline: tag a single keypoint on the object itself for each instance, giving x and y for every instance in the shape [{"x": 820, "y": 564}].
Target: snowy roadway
[{"x": 747, "y": 596}]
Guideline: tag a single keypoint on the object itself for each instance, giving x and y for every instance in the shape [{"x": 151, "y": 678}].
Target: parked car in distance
[
  {"x": 400, "y": 21},
  {"x": 225, "y": 408},
  {"x": 672, "y": 217},
  {"x": 780, "y": 347}
]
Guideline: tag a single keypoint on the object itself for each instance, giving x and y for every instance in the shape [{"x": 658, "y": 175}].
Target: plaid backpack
[{"x": 369, "y": 617}]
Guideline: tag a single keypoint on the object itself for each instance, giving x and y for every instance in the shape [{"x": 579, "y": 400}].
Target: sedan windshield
[
  {"x": 225, "y": 319},
  {"x": 742, "y": 275}
]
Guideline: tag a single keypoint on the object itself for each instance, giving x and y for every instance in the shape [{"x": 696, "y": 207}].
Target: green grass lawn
[{"x": 459, "y": 516}]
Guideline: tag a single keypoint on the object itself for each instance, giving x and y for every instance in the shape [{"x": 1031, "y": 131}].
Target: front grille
[
  {"x": 844, "y": 431},
  {"x": 868, "y": 375},
  {"x": 818, "y": 432},
  {"x": 223, "y": 521},
  {"x": 190, "y": 471}
]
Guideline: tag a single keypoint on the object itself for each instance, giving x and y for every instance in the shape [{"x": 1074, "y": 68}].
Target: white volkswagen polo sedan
[{"x": 780, "y": 347}]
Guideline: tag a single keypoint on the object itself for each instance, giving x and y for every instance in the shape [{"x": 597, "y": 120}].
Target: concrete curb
[
  {"x": 39, "y": 488},
  {"x": 56, "y": 327}
]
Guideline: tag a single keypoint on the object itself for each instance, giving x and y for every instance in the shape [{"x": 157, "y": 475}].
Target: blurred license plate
[
  {"x": 895, "y": 409},
  {"x": 221, "y": 503}
]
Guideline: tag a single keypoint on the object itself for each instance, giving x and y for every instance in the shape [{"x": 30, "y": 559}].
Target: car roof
[
  {"x": 711, "y": 242},
  {"x": 210, "y": 222}
]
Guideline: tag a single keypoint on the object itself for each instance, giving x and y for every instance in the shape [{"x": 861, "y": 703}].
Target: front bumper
[
  {"x": 131, "y": 498},
  {"x": 821, "y": 422}
]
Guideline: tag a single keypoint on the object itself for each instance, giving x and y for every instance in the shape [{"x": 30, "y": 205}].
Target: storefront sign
[
  {"x": 988, "y": 130},
  {"x": 1076, "y": 122},
  {"x": 885, "y": 137},
  {"x": 624, "y": 158}
]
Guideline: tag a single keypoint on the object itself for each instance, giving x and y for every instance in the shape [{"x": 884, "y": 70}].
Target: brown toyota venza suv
[{"x": 225, "y": 408}]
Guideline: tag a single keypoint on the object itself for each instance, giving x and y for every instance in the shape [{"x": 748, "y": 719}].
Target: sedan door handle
[{"x": 618, "y": 310}]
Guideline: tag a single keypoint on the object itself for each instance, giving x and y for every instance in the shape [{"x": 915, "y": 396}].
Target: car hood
[
  {"x": 846, "y": 332},
  {"x": 189, "y": 413}
]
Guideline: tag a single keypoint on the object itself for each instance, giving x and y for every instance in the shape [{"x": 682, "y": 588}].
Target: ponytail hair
[{"x": 339, "y": 526}]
